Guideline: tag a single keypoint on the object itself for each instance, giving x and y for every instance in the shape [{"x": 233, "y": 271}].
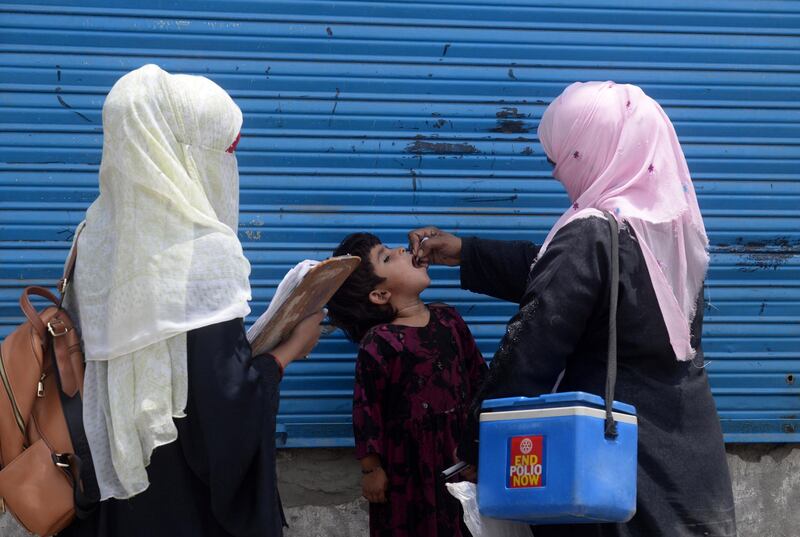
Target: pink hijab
[{"x": 616, "y": 150}]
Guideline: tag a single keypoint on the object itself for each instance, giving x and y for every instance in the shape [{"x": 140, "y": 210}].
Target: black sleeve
[
  {"x": 565, "y": 287},
  {"x": 496, "y": 268},
  {"x": 229, "y": 429}
]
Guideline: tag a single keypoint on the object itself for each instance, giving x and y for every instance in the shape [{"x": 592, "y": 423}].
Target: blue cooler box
[{"x": 546, "y": 460}]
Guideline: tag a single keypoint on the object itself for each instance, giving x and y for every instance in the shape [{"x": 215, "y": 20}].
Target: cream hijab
[
  {"x": 158, "y": 256},
  {"x": 616, "y": 150}
]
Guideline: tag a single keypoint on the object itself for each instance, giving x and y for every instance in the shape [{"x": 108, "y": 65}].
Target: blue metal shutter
[{"x": 384, "y": 116}]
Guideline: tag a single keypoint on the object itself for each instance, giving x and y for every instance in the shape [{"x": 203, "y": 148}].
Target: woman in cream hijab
[{"x": 179, "y": 415}]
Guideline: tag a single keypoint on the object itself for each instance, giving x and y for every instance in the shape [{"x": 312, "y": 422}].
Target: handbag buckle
[
  {"x": 61, "y": 460},
  {"x": 57, "y": 324}
]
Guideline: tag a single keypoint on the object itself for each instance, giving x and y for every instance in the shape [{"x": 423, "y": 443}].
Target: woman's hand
[
  {"x": 301, "y": 341},
  {"x": 469, "y": 472},
  {"x": 432, "y": 246},
  {"x": 374, "y": 486}
]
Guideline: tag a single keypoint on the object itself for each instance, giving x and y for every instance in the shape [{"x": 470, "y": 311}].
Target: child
[{"x": 417, "y": 371}]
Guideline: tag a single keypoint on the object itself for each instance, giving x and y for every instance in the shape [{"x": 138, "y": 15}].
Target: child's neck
[{"x": 411, "y": 312}]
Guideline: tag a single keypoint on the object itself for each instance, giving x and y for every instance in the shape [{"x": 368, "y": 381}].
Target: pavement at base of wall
[
  {"x": 321, "y": 489},
  {"x": 321, "y": 492}
]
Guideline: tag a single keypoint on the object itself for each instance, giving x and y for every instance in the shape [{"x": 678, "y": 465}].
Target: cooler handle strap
[{"x": 611, "y": 371}]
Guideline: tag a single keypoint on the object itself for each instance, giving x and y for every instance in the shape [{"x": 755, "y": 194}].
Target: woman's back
[
  {"x": 683, "y": 483},
  {"x": 618, "y": 156},
  {"x": 180, "y": 417},
  {"x": 218, "y": 479}
]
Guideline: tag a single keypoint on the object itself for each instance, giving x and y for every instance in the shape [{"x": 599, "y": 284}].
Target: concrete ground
[{"x": 321, "y": 492}]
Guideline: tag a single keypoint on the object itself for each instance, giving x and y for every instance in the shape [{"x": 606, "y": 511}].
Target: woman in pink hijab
[{"x": 615, "y": 150}]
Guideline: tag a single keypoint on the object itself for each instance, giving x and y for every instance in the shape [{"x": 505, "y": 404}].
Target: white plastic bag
[{"x": 479, "y": 525}]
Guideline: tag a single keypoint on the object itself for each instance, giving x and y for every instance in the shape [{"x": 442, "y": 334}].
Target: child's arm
[
  {"x": 374, "y": 483},
  {"x": 476, "y": 375},
  {"x": 472, "y": 358},
  {"x": 476, "y": 363},
  {"x": 370, "y": 382}
]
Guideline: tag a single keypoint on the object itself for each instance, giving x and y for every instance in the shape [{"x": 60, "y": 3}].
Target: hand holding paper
[
  {"x": 301, "y": 341},
  {"x": 303, "y": 291}
]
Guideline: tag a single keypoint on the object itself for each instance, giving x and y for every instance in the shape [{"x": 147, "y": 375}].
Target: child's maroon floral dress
[{"x": 413, "y": 388}]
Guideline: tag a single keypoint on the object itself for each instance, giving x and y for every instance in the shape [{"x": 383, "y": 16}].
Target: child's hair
[{"x": 350, "y": 308}]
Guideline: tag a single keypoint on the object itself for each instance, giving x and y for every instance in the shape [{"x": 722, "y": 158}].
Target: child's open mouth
[
  {"x": 418, "y": 264},
  {"x": 416, "y": 261}
]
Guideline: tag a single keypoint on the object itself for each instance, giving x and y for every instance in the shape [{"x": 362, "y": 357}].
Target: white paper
[{"x": 287, "y": 285}]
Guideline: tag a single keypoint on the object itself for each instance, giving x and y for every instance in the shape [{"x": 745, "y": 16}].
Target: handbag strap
[
  {"x": 86, "y": 492},
  {"x": 69, "y": 268},
  {"x": 611, "y": 370},
  {"x": 30, "y": 312}
]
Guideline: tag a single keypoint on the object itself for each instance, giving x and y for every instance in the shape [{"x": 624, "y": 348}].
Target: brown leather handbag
[{"x": 46, "y": 473}]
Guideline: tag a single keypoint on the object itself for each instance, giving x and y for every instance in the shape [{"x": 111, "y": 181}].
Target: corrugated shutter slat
[{"x": 382, "y": 116}]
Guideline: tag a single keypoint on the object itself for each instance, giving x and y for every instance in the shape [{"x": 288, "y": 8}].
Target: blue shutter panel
[{"x": 383, "y": 116}]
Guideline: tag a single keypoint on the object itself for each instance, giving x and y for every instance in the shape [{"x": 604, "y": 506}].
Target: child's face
[{"x": 396, "y": 266}]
